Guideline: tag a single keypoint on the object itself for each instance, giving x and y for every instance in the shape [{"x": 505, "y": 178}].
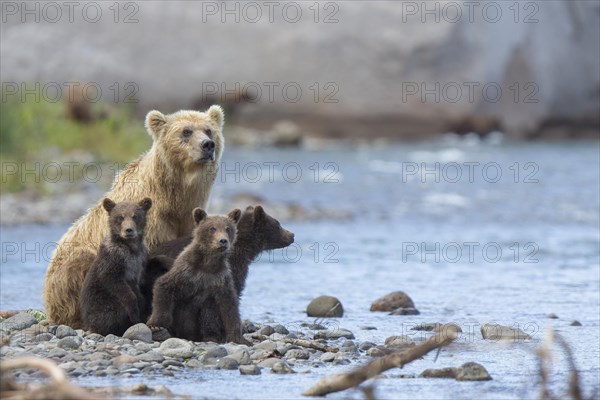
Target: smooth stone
[
  {"x": 282, "y": 330},
  {"x": 269, "y": 362},
  {"x": 552, "y": 316},
  {"x": 110, "y": 338},
  {"x": 281, "y": 367},
  {"x": 175, "y": 347},
  {"x": 266, "y": 330},
  {"x": 259, "y": 354},
  {"x": 248, "y": 326},
  {"x": 364, "y": 346},
  {"x": 426, "y": 326},
  {"x": 377, "y": 351},
  {"x": 368, "y": 328},
  {"x": 143, "y": 347},
  {"x": 216, "y": 352},
  {"x": 314, "y": 327},
  {"x": 439, "y": 373},
  {"x": 42, "y": 337},
  {"x": 227, "y": 363},
  {"x": 399, "y": 342},
  {"x": 57, "y": 353},
  {"x": 194, "y": 363},
  {"x": 298, "y": 354},
  {"x": 139, "y": 332},
  {"x": 575, "y": 323},
  {"x": 334, "y": 334},
  {"x": 242, "y": 356},
  {"x": 124, "y": 359},
  {"x": 63, "y": 331},
  {"x": 151, "y": 356},
  {"x": 174, "y": 363},
  {"x": 472, "y": 371},
  {"x": 328, "y": 357},
  {"x": 392, "y": 301},
  {"x": 70, "y": 342},
  {"x": 17, "y": 322},
  {"x": 325, "y": 306},
  {"x": 500, "y": 332},
  {"x": 448, "y": 328},
  {"x": 96, "y": 337},
  {"x": 405, "y": 311},
  {"x": 160, "y": 335},
  {"x": 249, "y": 369},
  {"x": 265, "y": 345}
]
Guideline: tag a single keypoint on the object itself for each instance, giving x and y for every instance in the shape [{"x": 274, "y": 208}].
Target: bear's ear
[
  {"x": 199, "y": 215},
  {"x": 217, "y": 115},
  {"x": 146, "y": 203},
  {"x": 155, "y": 120},
  {"x": 108, "y": 204},
  {"x": 235, "y": 215},
  {"x": 259, "y": 213}
]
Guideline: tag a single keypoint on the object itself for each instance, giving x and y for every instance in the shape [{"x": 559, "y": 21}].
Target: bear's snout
[
  {"x": 208, "y": 149},
  {"x": 224, "y": 243}
]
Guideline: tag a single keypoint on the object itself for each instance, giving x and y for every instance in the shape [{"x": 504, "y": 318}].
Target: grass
[{"x": 40, "y": 132}]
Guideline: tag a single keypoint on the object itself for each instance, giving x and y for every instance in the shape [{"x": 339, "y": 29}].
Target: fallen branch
[{"x": 337, "y": 383}]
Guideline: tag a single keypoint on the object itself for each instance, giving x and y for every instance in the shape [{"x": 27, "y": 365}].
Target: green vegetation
[{"x": 41, "y": 132}]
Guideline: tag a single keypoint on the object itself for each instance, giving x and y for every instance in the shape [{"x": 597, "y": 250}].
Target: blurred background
[{"x": 366, "y": 127}]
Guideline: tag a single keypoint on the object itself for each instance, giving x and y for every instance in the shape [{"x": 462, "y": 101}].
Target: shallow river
[{"x": 474, "y": 232}]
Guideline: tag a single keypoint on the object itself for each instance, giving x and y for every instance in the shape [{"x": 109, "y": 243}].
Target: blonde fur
[{"x": 169, "y": 173}]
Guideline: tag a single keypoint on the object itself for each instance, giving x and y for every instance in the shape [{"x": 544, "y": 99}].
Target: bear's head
[
  {"x": 215, "y": 233},
  {"x": 188, "y": 138},
  {"x": 267, "y": 230},
  {"x": 127, "y": 220}
]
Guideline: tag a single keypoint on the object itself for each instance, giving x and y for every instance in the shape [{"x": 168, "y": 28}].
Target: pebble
[
  {"x": 364, "y": 346},
  {"x": 124, "y": 359},
  {"x": 439, "y": 373},
  {"x": 216, "y": 352},
  {"x": 426, "y": 326},
  {"x": 175, "y": 363},
  {"x": 266, "y": 345},
  {"x": 70, "y": 342},
  {"x": 242, "y": 356},
  {"x": 334, "y": 334},
  {"x": 281, "y": 367},
  {"x": 472, "y": 371},
  {"x": 269, "y": 362},
  {"x": 249, "y": 370},
  {"x": 399, "y": 342},
  {"x": 248, "y": 327},
  {"x": 499, "y": 332},
  {"x": 151, "y": 356},
  {"x": 392, "y": 301},
  {"x": 575, "y": 323},
  {"x": 42, "y": 337},
  {"x": 282, "y": 330},
  {"x": 325, "y": 307},
  {"x": 298, "y": 354},
  {"x": 552, "y": 316},
  {"x": 175, "y": 347},
  {"x": 194, "y": 363},
  {"x": 327, "y": 357},
  {"x": 227, "y": 363},
  {"x": 63, "y": 331},
  {"x": 368, "y": 328},
  {"x": 405, "y": 311},
  {"x": 57, "y": 353},
  {"x": 19, "y": 321},
  {"x": 139, "y": 332}
]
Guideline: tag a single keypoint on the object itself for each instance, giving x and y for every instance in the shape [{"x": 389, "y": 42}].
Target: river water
[{"x": 475, "y": 232}]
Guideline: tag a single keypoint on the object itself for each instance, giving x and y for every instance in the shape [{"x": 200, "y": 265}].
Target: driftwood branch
[
  {"x": 312, "y": 345},
  {"x": 336, "y": 383}
]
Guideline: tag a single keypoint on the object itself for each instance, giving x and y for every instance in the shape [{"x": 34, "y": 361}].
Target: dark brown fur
[
  {"x": 110, "y": 300},
  {"x": 200, "y": 279}
]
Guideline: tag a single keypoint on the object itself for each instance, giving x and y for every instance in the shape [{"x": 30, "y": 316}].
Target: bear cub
[
  {"x": 110, "y": 299},
  {"x": 200, "y": 277}
]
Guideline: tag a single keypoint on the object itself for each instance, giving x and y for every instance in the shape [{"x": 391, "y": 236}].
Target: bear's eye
[
  {"x": 213, "y": 229},
  {"x": 228, "y": 230},
  {"x": 208, "y": 132},
  {"x": 120, "y": 218},
  {"x": 187, "y": 133}
]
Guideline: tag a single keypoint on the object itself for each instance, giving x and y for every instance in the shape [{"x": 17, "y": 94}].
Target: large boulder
[
  {"x": 325, "y": 306},
  {"x": 392, "y": 301}
]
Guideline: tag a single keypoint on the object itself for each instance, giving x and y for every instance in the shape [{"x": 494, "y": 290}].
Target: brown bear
[
  {"x": 110, "y": 300},
  {"x": 256, "y": 232},
  {"x": 155, "y": 268},
  {"x": 199, "y": 275},
  {"x": 177, "y": 173}
]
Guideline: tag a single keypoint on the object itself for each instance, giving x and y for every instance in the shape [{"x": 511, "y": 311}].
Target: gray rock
[
  {"x": 96, "y": 337},
  {"x": 194, "y": 363},
  {"x": 17, "y": 322},
  {"x": 175, "y": 363},
  {"x": 139, "y": 332},
  {"x": 70, "y": 342},
  {"x": 160, "y": 335},
  {"x": 368, "y": 328},
  {"x": 269, "y": 362},
  {"x": 472, "y": 371},
  {"x": 265, "y": 345},
  {"x": 281, "y": 367},
  {"x": 405, "y": 311},
  {"x": 63, "y": 331},
  {"x": 249, "y": 370},
  {"x": 364, "y": 346},
  {"x": 248, "y": 327},
  {"x": 175, "y": 347},
  {"x": 227, "y": 363},
  {"x": 377, "y": 351},
  {"x": 266, "y": 330},
  {"x": 124, "y": 359},
  {"x": 334, "y": 334},
  {"x": 439, "y": 373},
  {"x": 143, "y": 347},
  {"x": 110, "y": 338},
  {"x": 426, "y": 326},
  {"x": 57, "y": 353},
  {"x": 242, "y": 356},
  {"x": 399, "y": 342},
  {"x": 151, "y": 356},
  {"x": 552, "y": 316},
  {"x": 298, "y": 354},
  {"x": 281, "y": 329},
  {"x": 327, "y": 357},
  {"x": 575, "y": 323},
  {"x": 500, "y": 332},
  {"x": 216, "y": 352},
  {"x": 325, "y": 306},
  {"x": 42, "y": 337}
]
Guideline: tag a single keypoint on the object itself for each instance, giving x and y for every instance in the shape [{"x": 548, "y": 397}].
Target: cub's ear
[
  {"x": 108, "y": 204},
  {"x": 259, "y": 213},
  {"x": 217, "y": 115},
  {"x": 146, "y": 203},
  {"x": 155, "y": 121},
  {"x": 199, "y": 215},
  {"x": 235, "y": 215}
]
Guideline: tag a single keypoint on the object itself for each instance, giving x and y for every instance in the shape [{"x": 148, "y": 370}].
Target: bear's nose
[
  {"x": 129, "y": 231},
  {"x": 208, "y": 145},
  {"x": 223, "y": 241}
]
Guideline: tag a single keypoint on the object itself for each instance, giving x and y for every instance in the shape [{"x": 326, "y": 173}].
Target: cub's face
[
  {"x": 126, "y": 219},
  {"x": 273, "y": 234},
  {"x": 215, "y": 233},
  {"x": 188, "y": 137}
]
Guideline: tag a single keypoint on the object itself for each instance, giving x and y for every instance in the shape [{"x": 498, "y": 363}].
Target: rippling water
[{"x": 474, "y": 232}]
